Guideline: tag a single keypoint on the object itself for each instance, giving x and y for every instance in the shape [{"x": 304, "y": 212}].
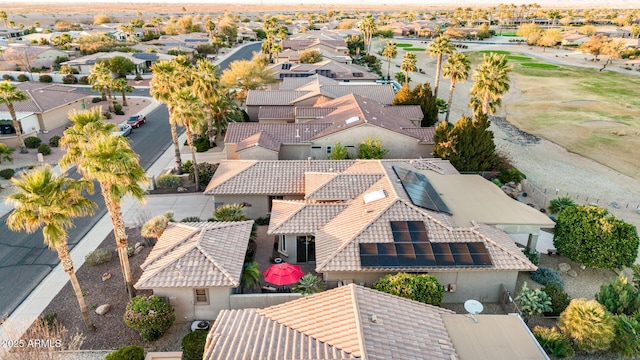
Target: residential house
[
  {"x": 329, "y": 68},
  {"x": 190, "y": 40},
  {"x": 8, "y": 33},
  {"x": 573, "y": 37},
  {"x": 29, "y": 56},
  {"x": 47, "y": 107},
  {"x": 197, "y": 266},
  {"x": 310, "y": 91},
  {"x": 142, "y": 61},
  {"x": 355, "y": 322},
  {"x": 331, "y": 46},
  {"x": 358, "y": 220},
  {"x": 300, "y": 132}
]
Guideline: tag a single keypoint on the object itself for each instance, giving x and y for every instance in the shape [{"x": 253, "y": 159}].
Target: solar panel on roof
[
  {"x": 145, "y": 56},
  {"x": 420, "y": 190}
]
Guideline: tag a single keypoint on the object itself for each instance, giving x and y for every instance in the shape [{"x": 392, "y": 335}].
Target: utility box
[{"x": 451, "y": 287}]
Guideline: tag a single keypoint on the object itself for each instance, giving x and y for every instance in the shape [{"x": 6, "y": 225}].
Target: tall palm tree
[
  {"x": 409, "y": 62},
  {"x": 166, "y": 81},
  {"x": 8, "y": 95},
  {"x": 188, "y": 111},
  {"x": 100, "y": 79},
  {"x": 439, "y": 47},
  {"x": 122, "y": 86},
  {"x": 206, "y": 86},
  {"x": 491, "y": 81},
  {"x": 250, "y": 276},
  {"x": 225, "y": 110},
  {"x": 48, "y": 201},
  {"x": 457, "y": 68},
  {"x": 390, "y": 52},
  {"x": 109, "y": 160},
  {"x": 368, "y": 28}
]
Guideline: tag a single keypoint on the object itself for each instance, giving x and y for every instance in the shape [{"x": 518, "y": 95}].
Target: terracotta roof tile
[
  {"x": 276, "y": 112},
  {"x": 344, "y": 186},
  {"x": 261, "y": 139},
  {"x": 283, "y": 133},
  {"x": 313, "y": 180},
  {"x": 197, "y": 255},
  {"x": 271, "y": 97},
  {"x": 303, "y": 112},
  {"x": 43, "y": 98},
  {"x": 305, "y": 219}
]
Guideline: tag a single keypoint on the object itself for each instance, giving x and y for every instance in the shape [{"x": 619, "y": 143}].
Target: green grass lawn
[
  {"x": 415, "y": 49},
  {"x": 404, "y": 45},
  {"x": 501, "y": 52},
  {"x": 540, "y": 66},
  {"x": 518, "y": 58},
  {"x": 509, "y": 34}
]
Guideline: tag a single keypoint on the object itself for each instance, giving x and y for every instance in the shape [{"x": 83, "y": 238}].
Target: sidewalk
[{"x": 183, "y": 205}]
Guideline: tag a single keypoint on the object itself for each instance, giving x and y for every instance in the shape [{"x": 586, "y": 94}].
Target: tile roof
[
  {"x": 363, "y": 323},
  {"x": 285, "y": 133},
  {"x": 343, "y": 186},
  {"x": 329, "y": 68},
  {"x": 43, "y": 97},
  {"x": 273, "y": 97},
  {"x": 306, "y": 219},
  {"x": 197, "y": 255},
  {"x": 277, "y": 112},
  {"x": 261, "y": 139}
]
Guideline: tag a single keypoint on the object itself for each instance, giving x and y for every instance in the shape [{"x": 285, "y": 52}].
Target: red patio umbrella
[{"x": 283, "y": 274}]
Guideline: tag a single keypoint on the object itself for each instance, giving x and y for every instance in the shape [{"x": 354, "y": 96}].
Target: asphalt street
[{"x": 25, "y": 260}]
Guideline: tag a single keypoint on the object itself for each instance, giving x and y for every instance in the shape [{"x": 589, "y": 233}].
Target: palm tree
[
  {"x": 100, "y": 79},
  {"x": 556, "y": 206},
  {"x": 409, "y": 62},
  {"x": 109, "y": 160},
  {"x": 188, "y": 111},
  {"x": 457, "y": 68},
  {"x": 206, "y": 86},
  {"x": 368, "y": 28},
  {"x": 491, "y": 82},
  {"x": 224, "y": 112},
  {"x": 8, "y": 95},
  {"x": 122, "y": 86},
  {"x": 164, "y": 84},
  {"x": 250, "y": 275},
  {"x": 390, "y": 52},
  {"x": 438, "y": 47},
  {"x": 229, "y": 212},
  {"x": 211, "y": 28},
  {"x": 48, "y": 201},
  {"x": 275, "y": 50},
  {"x": 155, "y": 226},
  {"x": 309, "y": 284}
]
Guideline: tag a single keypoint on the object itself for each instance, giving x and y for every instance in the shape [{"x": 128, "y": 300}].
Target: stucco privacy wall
[
  {"x": 183, "y": 302},
  {"x": 259, "y": 301},
  {"x": 256, "y": 206}
]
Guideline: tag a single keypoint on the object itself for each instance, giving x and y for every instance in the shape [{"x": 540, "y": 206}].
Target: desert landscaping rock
[
  {"x": 138, "y": 244},
  {"x": 103, "y": 309},
  {"x": 564, "y": 267},
  {"x": 106, "y": 276},
  {"x": 181, "y": 189},
  {"x": 138, "y": 250},
  {"x": 572, "y": 273}
]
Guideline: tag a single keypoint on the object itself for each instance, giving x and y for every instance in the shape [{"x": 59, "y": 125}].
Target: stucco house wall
[
  {"x": 257, "y": 153},
  {"x": 183, "y": 301},
  {"x": 57, "y": 117},
  {"x": 259, "y": 204},
  {"x": 294, "y": 152}
]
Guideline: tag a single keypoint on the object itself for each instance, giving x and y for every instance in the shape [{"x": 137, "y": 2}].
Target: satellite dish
[{"x": 473, "y": 307}]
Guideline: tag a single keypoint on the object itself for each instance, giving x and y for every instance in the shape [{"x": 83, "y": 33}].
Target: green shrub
[
  {"x": 191, "y": 219},
  {"x": 69, "y": 79},
  {"x": 205, "y": 173},
  {"x": 138, "y": 77},
  {"x": 168, "y": 181},
  {"x": 546, "y": 276},
  {"x": 193, "y": 345},
  {"x": 497, "y": 182},
  {"x": 588, "y": 324},
  {"x": 201, "y": 144},
  {"x": 84, "y": 80},
  {"x": 553, "y": 342},
  {"x": 129, "y": 352},
  {"x": 186, "y": 166},
  {"x": 559, "y": 299},
  {"x": 422, "y": 287},
  {"x": 532, "y": 255},
  {"x": 98, "y": 256},
  {"x": 23, "y": 78},
  {"x": 32, "y": 142},
  {"x": 117, "y": 108},
  {"x": 7, "y": 173},
  {"x": 533, "y": 302},
  {"x": 510, "y": 175},
  {"x": 107, "y": 115},
  {"x": 48, "y": 320},
  {"x": 309, "y": 284},
  {"x": 54, "y": 141},
  {"x": 619, "y": 297},
  {"x": 263, "y": 220},
  {"x": 96, "y": 99},
  {"x": 627, "y": 338},
  {"x": 7, "y": 77},
  {"x": 44, "y": 149},
  {"x": 149, "y": 315},
  {"x": 45, "y": 79}
]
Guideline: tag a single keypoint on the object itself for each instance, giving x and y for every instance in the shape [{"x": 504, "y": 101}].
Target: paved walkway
[{"x": 183, "y": 205}]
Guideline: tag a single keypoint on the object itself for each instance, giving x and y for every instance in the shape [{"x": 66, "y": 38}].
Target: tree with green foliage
[
  {"x": 588, "y": 324},
  {"x": 371, "y": 148},
  {"x": 5, "y": 153},
  {"x": 309, "y": 284},
  {"x": 439, "y": 47},
  {"x": 10, "y": 94},
  {"x": 468, "y": 145},
  {"x": 424, "y": 288},
  {"x": 595, "y": 238},
  {"x": 246, "y": 75},
  {"x": 310, "y": 56},
  {"x": 129, "y": 352},
  {"x": 230, "y": 212},
  {"x": 121, "y": 66},
  {"x": 355, "y": 44},
  {"x": 457, "y": 69},
  {"x": 390, "y": 51},
  {"x": 558, "y": 204},
  {"x": 368, "y": 27},
  {"x": 533, "y": 302},
  {"x": 403, "y": 96},
  {"x": 550, "y": 37},
  {"x": 340, "y": 152},
  {"x": 122, "y": 85},
  {"x": 250, "y": 276},
  {"x": 491, "y": 81},
  {"x": 409, "y": 64},
  {"x": 428, "y": 102},
  {"x": 619, "y": 297},
  {"x": 553, "y": 342},
  {"x": 150, "y": 316},
  {"x": 530, "y": 31}
]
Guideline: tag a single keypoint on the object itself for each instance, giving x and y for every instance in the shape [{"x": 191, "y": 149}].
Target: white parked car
[{"x": 123, "y": 129}]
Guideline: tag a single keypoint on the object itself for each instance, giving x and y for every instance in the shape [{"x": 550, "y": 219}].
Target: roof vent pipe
[{"x": 297, "y": 133}]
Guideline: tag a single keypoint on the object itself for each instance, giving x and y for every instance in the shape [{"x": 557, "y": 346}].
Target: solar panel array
[
  {"x": 420, "y": 190},
  {"x": 411, "y": 248}
]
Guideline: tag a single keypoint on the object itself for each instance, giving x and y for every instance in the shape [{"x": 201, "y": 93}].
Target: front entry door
[{"x": 306, "y": 249}]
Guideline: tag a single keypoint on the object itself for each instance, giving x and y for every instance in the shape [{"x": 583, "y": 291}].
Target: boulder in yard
[{"x": 103, "y": 309}]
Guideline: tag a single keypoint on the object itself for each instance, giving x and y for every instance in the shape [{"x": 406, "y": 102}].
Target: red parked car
[{"x": 136, "y": 120}]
